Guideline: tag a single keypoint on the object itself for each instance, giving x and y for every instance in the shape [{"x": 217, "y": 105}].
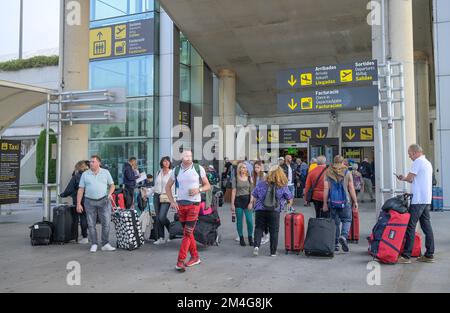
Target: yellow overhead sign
[{"x": 100, "y": 43}]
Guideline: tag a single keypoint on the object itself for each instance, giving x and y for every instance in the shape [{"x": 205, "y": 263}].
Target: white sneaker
[
  {"x": 160, "y": 241},
  {"x": 256, "y": 251},
  {"x": 108, "y": 247},
  {"x": 265, "y": 239},
  {"x": 83, "y": 241},
  {"x": 237, "y": 239},
  {"x": 167, "y": 240},
  {"x": 94, "y": 248}
]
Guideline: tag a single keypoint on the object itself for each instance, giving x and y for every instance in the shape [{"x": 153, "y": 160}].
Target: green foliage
[
  {"x": 34, "y": 62},
  {"x": 40, "y": 158}
]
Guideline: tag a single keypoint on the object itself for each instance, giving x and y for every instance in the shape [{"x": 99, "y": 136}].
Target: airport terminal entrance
[{"x": 329, "y": 147}]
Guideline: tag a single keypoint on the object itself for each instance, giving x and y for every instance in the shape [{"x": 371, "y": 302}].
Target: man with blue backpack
[{"x": 338, "y": 192}]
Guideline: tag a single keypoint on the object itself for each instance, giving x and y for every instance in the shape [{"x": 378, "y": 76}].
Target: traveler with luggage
[
  {"x": 366, "y": 170},
  {"x": 72, "y": 191},
  {"x": 130, "y": 174},
  {"x": 315, "y": 184},
  {"x": 421, "y": 179},
  {"x": 258, "y": 176},
  {"x": 338, "y": 192},
  {"x": 271, "y": 197},
  {"x": 97, "y": 186},
  {"x": 240, "y": 203},
  {"x": 187, "y": 177},
  {"x": 161, "y": 201}
]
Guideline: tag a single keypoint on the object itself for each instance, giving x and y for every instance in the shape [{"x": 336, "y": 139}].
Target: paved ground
[{"x": 227, "y": 268}]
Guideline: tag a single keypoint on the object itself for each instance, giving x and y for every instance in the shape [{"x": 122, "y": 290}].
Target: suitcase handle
[{"x": 114, "y": 205}]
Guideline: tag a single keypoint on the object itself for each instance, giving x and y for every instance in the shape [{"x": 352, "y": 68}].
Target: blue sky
[{"x": 40, "y": 29}]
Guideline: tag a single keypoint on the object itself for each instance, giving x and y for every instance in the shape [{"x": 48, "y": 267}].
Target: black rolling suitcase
[
  {"x": 65, "y": 223},
  {"x": 41, "y": 233},
  {"x": 320, "y": 237}
]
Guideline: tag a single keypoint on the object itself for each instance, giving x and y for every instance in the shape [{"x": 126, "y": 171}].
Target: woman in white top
[{"x": 161, "y": 201}]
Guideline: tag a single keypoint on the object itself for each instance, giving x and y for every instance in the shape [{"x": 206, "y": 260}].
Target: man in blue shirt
[{"x": 97, "y": 186}]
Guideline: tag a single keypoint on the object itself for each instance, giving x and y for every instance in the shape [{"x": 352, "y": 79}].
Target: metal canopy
[{"x": 16, "y": 99}]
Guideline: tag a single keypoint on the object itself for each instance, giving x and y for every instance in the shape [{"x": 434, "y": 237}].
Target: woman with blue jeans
[
  {"x": 240, "y": 203},
  {"x": 270, "y": 217},
  {"x": 338, "y": 173}
]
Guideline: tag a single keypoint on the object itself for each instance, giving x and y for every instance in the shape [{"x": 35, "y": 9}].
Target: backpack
[
  {"x": 270, "y": 200},
  {"x": 337, "y": 197}
]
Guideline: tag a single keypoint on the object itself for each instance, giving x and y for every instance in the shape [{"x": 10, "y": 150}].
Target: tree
[{"x": 40, "y": 158}]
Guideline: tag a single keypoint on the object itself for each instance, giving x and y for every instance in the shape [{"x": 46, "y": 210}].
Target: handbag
[{"x": 163, "y": 198}]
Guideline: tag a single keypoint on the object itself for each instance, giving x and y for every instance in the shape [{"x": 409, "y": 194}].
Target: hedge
[
  {"x": 34, "y": 62},
  {"x": 40, "y": 158}
]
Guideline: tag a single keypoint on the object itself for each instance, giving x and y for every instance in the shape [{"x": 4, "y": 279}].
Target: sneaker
[
  {"x": 344, "y": 244},
  {"x": 337, "y": 249},
  {"x": 94, "y": 248},
  {"x": 425, "y": 259},
  {"x": 160, "y": 241},
  {"x": 256, "y": 251},
  {"x": 180, "y": 266},
  {"x": 84, "y": 241},
  {"x": 237, "y": 239},
  {"x": 265, "y": 239},
  {"x": 108, "y": 247},
  {"x": 167, "y": 240},
  {"x": 403, "y": 260},
  {"x": 193, "y": 261},
  {"x": 250, "y": 241},
  {"x": 273, "y": 255},
  {"x": 242, "y": 242}
]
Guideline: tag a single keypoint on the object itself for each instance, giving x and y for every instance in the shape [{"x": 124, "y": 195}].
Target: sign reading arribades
[
  {"x": 328, "y": 75},
  {"x": 9, "y": 171}
]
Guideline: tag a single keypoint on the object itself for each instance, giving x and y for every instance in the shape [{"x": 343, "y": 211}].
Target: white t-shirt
[
  {"x": 422, "y": 184},
  {"x": 290, "y": 183},
  {"x": 188, "y": 179}
]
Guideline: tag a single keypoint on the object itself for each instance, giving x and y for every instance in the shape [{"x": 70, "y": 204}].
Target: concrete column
[
  {"x": 169, "y": 82},
  {"x": 227, "y": 108},
  {"x": 74, "y": 75},
  {"x": 422, "y": 95},
  {"x": 402, "y": 50}
]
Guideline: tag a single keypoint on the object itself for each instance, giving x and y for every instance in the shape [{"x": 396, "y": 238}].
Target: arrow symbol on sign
[
  {"x": 292, "y": 105},
  {"x": 292, "y": 81},
  {"x": 321, "y": 134},
  {"x": 99, "y": 35},
  {"x": 350, "y": 135}
]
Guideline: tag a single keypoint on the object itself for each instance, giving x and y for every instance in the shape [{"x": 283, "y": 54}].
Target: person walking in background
[
  {"x": 289, "y": 172},
  {"x": 72, "y": 191},
  {"x": 161, "y": 201},
  {"x": 130, "y": 174},
  {"x": 312, "y": 165},
  {"x": 240, "y": 203},
  {"x": 315, "y": 185},
  {"x": 366, "y": 170},
  {"x": 421, "y": 179},
  {"x": 358, "y": 181},
  {"x": 270, "y": 198},
  {"x": 97, "y": 186},
  {"x": 258, "y": 176}
]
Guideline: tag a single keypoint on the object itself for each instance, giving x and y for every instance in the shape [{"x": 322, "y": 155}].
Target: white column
[
  {"x": 227, "y": 108},
  {"x": 423, "y": 102},
  {"x": 441, "y": 13},
  {"x": 169, "y": 82}
]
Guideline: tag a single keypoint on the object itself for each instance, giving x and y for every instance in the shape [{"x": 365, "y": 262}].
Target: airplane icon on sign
[
  {"x": 306, "y": 78},
  {"x": 119, "y": 30}
]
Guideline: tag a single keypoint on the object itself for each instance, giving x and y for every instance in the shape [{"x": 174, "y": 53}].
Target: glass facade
[{"x": 137, "y": 135}]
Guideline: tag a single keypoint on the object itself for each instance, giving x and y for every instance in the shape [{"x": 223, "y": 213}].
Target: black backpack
[{"x": 271, "y": 200}]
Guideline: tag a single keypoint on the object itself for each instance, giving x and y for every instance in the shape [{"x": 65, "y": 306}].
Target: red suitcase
[
  {"x": 119, "y": 200},
  {"x": 294, "y": 232},
  {"x": 417, "y": 248},
  {"x": 353, "y": 235}
]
